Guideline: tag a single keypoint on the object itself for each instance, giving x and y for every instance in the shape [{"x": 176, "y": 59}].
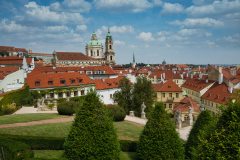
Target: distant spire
[
  {"x": 108, "y": 30},
  {"x": 25, "y": 66},
  {"x": 93, "y": 30},
  {"x": 133, "y": 57}
]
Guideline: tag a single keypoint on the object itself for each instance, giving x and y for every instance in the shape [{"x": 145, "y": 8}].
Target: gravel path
[{"x": 55, "y": 120}]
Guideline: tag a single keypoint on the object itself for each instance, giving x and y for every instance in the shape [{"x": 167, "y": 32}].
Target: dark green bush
[
  {"x": 202, "y": 123},
  {"x": 67, "y": 108},
  {"x": 117, "y": 112},
  {"x": 92, "y": 134},
  {"x": 159, "y": 139},
  {"x": 15, "y": 150}
]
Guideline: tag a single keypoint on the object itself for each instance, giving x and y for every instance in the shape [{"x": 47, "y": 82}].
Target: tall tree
[
  {"x": 143, "y": 92},
  {"x": 124, "y": 96},
  {"x": 92, "y": 134},
  {"x": 159, "y": 139}
]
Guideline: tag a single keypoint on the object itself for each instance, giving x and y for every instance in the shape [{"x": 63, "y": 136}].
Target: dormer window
[
  {"x": 96, "y": 72},
  {"x": 62, "y": 81},
  {"x": 1, "y": 71},
  {"x": 8, "y": 71},
  {"x": 80, "y": 80},
  {"x": 37, "y": 83},
  {"x": 102, "y": 72},
  {"x": 72, "y": 81},
  {"x": 50, "y": 82},
  {"x": 109, "y": 84}
]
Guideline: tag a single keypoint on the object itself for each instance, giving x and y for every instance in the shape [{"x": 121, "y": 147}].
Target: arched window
[
  {"x": 111, "y": 58},
  {"x": 110, "y": 47},
  {"x": 97, "y": 52},
  {"x": 91, "y": 53}
]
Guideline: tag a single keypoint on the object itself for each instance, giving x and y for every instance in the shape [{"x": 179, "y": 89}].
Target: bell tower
[{"x": 109, "y": 54}]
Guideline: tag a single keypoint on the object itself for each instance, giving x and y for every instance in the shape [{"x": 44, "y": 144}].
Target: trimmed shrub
[
  {"x": 159, "y": 139},
  {"x": 67, "y": 108},
  {"x": 224, "y": 140},
  {"x": 15, "y": 150},
  {"x": 92, "y": 134},
  {"x": 117, "y": 112},
  {"x": 203, "y": 124}
]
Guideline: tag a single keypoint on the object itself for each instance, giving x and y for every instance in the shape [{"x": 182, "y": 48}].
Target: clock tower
[{"x": 109, "y": 54}]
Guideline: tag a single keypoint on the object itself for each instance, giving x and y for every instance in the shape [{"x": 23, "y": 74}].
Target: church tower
[
  {"x": 109, "y": 54},
  {"x": 134, "y": 63}
]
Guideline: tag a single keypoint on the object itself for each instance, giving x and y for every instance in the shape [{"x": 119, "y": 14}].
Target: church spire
[{"x": 133, "y": 58}]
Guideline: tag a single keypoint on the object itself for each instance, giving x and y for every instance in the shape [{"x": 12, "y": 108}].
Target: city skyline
[{"x": 193, "y": 32}]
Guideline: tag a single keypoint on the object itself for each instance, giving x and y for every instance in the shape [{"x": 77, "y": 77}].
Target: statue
[
  {"x": 38, "y": 103},
  {"x": 143, "y": 115},
  {"x": 179, "y": 119},
  {"x": 42, "y": 101},
  {"x": 202, "y": 107},
  {"x": 190, "y": 117}
]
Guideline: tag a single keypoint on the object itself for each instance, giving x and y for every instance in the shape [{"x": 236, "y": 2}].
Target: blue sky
[{"x": 186, "y": 31}]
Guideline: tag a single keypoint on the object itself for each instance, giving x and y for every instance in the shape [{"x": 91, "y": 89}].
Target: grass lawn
[
  {"x": 48, "y": 154},
  {"x": 28, "y": 117},
  {"x": 125, "y": 130}
]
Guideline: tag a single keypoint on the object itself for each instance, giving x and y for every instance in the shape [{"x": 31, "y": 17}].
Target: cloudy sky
[{"x": 186, "y": 31}]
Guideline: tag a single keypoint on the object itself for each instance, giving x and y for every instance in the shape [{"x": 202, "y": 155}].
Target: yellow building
[{"x": 169, "y": 93}]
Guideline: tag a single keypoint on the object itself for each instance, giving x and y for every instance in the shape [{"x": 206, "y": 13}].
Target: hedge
[
  {"x": 56, "y": 143},
  {"x": 15, "y": 150},
  {"x": 117, "y": 112}
]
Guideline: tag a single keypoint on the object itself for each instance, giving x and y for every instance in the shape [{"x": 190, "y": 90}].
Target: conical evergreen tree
[
  {"x": 159, "y": 139},
  {"x": 92, "y": 134},
  {"x": 224, "y": 141},
  {"x": 203, "y": 125}
]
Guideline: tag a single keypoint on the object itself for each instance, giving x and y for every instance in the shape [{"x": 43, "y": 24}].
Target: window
[
  {"x": 62, "y": 81},
  {"x": 97, "y": 52},
  {"x": 51, "y": 95},
  {"x": 177, "y": 95},
  {"x": 111, "y": 58},
  {"x": 96, "y": 72},
  {"x": 50, "y": 82},
  {"x": 17, "y": 80},
  {"x": 212, "y": 104},
  {"x": 91, "y": 53},
  {"x": 68, "y": 94},
  {"x": 82, "y": 92},
  {"x": 60, "y": 95},
  {"x": 72, "y": 81},
  {"x": 89, "y": 72},
  {"x": 102, "y": 72},
  {"x": 209, "y": 103},
  {"x": 177, "y": 81},
  {"x": 37, "y": 83},
  {"x": 102, "y": 96},
  {"x": 1, "y": 71},
  {"x": 75, "y": 93},
  {"x": 170, "y": 105},
  {"x": 110, "y": 47},
  {"x": 43, "y": 95},
  {"x": 79, "y": 80},
  {"x": 163, "y": 95},
  {"x": 203, "y": 101},
  {"x": 170, "y": 94},
  {"x": 113, "y": 95},
  {"x": 165, "y": 105},
  {"x": 8, "y": 71},
  {"x": 110, "y": 96}
]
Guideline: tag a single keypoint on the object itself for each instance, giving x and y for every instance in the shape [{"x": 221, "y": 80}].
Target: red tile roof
[
  {"x": 168, "y": 86},
  {"x": 228, "y": 76},
  {"x": 184, "y": 103},
  {"x": 73, "y": 56},
  {"x": 4, "y": 71},
  {"x": 168, "y": 75},
  {"x": 217, "y": 93},
  {"x": 56, "y": 77},
  {"x": 20, "y": 50},
  {"x": 7, "y": 48},
  {"x": 109, "y": 83},
  {"x": 41, "y": 54},
  {"x": 196, "y": 85}
]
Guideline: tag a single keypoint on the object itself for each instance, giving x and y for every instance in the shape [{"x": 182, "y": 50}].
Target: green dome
[
  {"x": 164, "y": 62},
  {"x": 184, "y": 93},
  {"x": 109, "y": 36},
  {"x": 94, "y": 43}
]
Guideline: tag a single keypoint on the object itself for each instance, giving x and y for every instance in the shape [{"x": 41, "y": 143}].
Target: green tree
[
  {"x": 143, "y": 92},
  {"x": 124, "y": 96},
  {"x": 200, "y": 130},
  {"x": 159, "y": 139},
  {"x": 224, "y": 141},
  {"x": 92, "y": 134},
  {"x": 2, "y": 53}
]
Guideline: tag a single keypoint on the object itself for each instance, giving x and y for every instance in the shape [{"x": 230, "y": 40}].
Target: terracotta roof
[
  {"x": 56, "y": 77},
  {"x": 20, "y": 49},
  {"x": 8, "y": 70},
  {"x": 196, "y": 85},
  {"x": 228, "y": 76},
  {"x": 168, "y": 86},
  {"x": 168, "y": 75},
  {"x": 237, "y": 74},
  {"x": 73, "y": 56},
  {"x": 42, "y": 54},
  {"x": 212, "y": 66},
  {"x": 108, "y": 83},
  {"x": 184, "y": 103},
  {"x": 217, "y": 93},
  {"x": 107, "y": 69},
  {"x": 11, "y": 58},
  {"x": 7, "y": 48},
  {"x": 182, "y": 65}
]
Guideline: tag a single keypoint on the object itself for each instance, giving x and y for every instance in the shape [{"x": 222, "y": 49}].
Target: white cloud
[
  {"x": 146, "y": 46},
  {"x": 168, "y": 45},
  {"x": 71, "y": 6},
  {"x": 207, "y": 34},
  {"x": 228, "y": 39},
  {"x": 236, "y": 35},
  {"x": 161, "y": 39},
  {"x": 177, "y": 38},
  {"x": 56, "y": 28},
  {"x": 188, "y": 32},
  {"x": 118, "y": 6},
  {"x": 157, "y": 2},
  {"x": 202, "y": 2},
  {"x": 122, "y": 29},
  {"x": 145, "y": 36},
  {"x": 11, "y": 26},
  {"x": 216, "y": 9},
  {"x": 164, "y": 33},
  {"x": 199, "y": 23},
  {"x": 169, "y": 8},
  {"x": 81, "y": 28},
  {"x": 119, "y": 43},
  {"x": 34, "y": 12},
  {"x": 233, "y": 16},
  {"x": 132, "y": 46}
]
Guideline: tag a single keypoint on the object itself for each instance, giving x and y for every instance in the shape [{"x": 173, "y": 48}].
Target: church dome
[
  {"x": 164, "y": 62},
  {"x": 94, "y": 41}
]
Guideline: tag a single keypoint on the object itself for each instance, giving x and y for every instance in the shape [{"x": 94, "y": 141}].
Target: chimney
[
  {"x": 181, "y": 76},
  {"x": 233, "y": 72},
  {"x": 155, "y": 78},
  {"x": 230, "y": 89},
  {"x": 191, "y": 76},
  {"x": 206, "y": 80},
  {"x": 200, "y": 76},
  {"x": 220, "y": 78},
  {"x": 103, "y": 80},
  {"x": 53, "y": 67},
  {"x": 219, "y": 68},
  {"x": 164, "y": 76},
  {"x": 187, "y": 74}
]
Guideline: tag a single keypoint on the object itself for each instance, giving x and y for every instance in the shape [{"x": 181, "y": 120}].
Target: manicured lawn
[
  {"x": 48, "y": 154},
  {"x": 125, "y": 130},
  {"x": 28, "y": 117}
]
